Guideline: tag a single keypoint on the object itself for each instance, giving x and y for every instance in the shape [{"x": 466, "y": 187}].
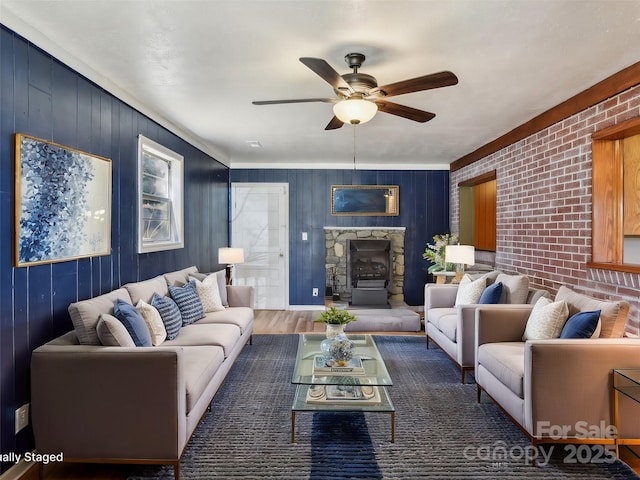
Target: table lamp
[
  {"x": 461, "y": 255},
  {"x": 230, "y": 256}
]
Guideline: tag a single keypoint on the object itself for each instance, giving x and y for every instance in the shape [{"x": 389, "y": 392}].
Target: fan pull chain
[{"x": 354, "y": 147}]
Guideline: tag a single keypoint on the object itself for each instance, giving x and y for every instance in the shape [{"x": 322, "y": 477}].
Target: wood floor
[
  {"x": 266, "y": 322},
  {"x": 287, "y": 321}
]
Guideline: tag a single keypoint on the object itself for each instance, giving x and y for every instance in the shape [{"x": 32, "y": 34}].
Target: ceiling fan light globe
[{"x": 355, "y": 111}]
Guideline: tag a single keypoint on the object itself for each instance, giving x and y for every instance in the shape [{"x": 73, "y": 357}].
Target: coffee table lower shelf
[{"x": 300, "y": 404}]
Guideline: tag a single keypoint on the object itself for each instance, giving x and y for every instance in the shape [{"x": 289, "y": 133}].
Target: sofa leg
[
  {"x": 464, "y": 371},
  {"x": 427, "y": 342},
  {"x": 479, "y": 392}
]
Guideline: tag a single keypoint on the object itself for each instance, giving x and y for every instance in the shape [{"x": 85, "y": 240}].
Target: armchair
[
  {"x": 451, "y": 326},
  {"x": 557, "y": 390}
]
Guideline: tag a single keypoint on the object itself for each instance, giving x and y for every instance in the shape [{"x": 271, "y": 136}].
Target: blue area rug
[
  {"x": 441, "y": 430},
  {"x": 341, "y": 447}
]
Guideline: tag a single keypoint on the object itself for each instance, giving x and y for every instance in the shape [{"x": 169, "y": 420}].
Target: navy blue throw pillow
[
  {"x": 133, "y": 322},
  {"x": 188, "y": 301},
  {"x": 581, "y": 325},
  {"x": 169, "y": 313},
  {"x": 491, "y": 294}
]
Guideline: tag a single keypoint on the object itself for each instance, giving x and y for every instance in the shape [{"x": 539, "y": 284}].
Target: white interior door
[{"x": 260, "y": 225}]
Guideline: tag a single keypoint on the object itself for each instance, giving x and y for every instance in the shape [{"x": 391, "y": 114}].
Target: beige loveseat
[
  {"x": 128, "y": 404},
  {"x": 557, "y": 390},
  {"x": 451, "y": 326}
]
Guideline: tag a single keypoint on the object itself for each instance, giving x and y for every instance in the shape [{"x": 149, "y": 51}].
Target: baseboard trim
[{"x": 306, "y": 307}]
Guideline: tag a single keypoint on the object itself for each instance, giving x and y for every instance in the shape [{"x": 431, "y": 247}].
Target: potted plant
[
  {"x": 435, "y": 253},
  {"x": 335, "y": 320}
]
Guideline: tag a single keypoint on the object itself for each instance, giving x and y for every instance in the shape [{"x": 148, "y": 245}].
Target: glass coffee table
[{"x": 320, "y": 389}]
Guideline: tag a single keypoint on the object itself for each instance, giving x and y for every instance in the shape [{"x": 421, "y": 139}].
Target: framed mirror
[{"x": 371, "y": 200}]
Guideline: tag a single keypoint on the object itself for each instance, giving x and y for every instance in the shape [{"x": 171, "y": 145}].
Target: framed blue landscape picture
[
  {"x": 62, "y": 203},
  {"x": 373, "y": 200}
]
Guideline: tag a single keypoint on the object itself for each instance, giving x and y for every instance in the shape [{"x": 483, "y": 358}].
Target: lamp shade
[
  {"x": 464, "y": 254},
  {"x": 355, "y": 110},
  {"x": 230, "y": 255}
]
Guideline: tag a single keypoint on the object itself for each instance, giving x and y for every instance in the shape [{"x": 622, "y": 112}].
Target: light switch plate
[{"x": 22, "y": 417}]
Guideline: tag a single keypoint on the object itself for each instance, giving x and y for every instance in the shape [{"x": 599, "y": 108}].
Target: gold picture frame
[
  {"x": 365, "y": 200},
  {"x": 62, "y": 203}
]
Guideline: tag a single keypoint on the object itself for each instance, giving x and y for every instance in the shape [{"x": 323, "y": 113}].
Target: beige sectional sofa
[
  {"x": 559, "y": 389},
  {"x": 128, "y": 404},
  {"x": 451, "y": 325}
]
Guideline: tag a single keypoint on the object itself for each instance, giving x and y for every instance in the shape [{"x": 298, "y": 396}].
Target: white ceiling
[{"x": 196, "y": 65}]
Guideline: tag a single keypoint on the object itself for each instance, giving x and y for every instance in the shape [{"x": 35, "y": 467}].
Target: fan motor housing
[{"x": 360, "y": 82}]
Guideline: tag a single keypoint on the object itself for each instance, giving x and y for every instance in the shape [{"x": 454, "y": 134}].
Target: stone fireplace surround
[{"x": 336, "y": 256}]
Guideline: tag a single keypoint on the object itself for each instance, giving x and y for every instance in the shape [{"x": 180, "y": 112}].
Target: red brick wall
[{"x": 544, "y": 205}]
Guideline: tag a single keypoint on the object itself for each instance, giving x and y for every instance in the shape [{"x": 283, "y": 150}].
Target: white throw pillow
[
  {"x": 469, "y": 291},
  {"x": 154, "y": 322},
  {"x": 546, "y": 320},
  {"x": 596, "y": 333},
  {"x": 209, "y": 293}
]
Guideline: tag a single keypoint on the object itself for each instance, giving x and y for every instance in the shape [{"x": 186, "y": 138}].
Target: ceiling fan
[{"x": 359, "y": 97}]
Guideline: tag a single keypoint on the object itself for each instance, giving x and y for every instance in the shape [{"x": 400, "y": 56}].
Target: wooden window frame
[
  {"x": 473, "y": 182},
  {"x": 607, "y": 193}
]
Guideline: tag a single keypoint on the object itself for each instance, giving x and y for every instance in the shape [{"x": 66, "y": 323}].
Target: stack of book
[
  {"x": 323, "y": 366},
  {"x": 345, "y": 394}
]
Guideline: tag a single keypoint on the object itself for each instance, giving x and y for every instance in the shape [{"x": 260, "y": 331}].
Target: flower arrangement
[
  {"x": 333, "y": 316},
  {"x": 435, "y": 252}
]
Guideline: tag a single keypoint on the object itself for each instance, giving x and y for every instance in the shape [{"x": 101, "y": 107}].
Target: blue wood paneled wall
[
  {"x": 41, "y": 97},
  {"x": 424, "y": 211}
]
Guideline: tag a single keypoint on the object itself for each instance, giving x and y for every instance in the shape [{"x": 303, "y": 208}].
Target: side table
[
  {"x": 626, "y": 381},
  {"x": 444, "y": 277}
]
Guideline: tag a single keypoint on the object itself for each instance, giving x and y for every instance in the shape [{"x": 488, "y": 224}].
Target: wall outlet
[
  {"x": 22, "y": 417},
  {"x": 305, "y": 237},
  {"x": 315, "y": 292}
]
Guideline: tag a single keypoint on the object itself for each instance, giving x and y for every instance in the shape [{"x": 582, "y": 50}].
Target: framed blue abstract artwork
[
  {"x": 373, "y": 200},
  {"x": 63, "y": 203}
]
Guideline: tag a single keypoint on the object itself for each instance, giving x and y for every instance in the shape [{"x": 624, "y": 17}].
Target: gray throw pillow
[
  {"x": 222, "y": 286},
  {"x": 515, "y": 288},
  {"x": 112, "y": 332}
]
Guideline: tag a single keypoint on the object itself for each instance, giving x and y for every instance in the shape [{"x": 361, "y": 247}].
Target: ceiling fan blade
[
  {"x": 334, "y": 123},
  {"x": 404, "y": 111},
  {"x": 296, "y": 100},
  {"x": 426, "y": 82},
  {"x": 327, "y": 72}
]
